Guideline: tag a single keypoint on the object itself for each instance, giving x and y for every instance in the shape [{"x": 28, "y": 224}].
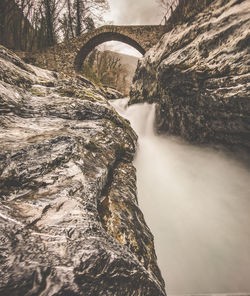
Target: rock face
[
  {"x": 199, "y": 74},
  {"x": 70, "y": 221},
  {"x": 112, "y": 94}
]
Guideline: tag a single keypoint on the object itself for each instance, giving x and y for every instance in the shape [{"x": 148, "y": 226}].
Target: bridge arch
[
  {"x": 69, "y": 56},
  {"x": 101, "y": 38}
]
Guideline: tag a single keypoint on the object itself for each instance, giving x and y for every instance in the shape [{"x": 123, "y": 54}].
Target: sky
[{"x": 132, "y": 12}]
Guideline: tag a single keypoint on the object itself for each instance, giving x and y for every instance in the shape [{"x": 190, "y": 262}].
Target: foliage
[
  {"x": 81, "y": 15},
  {"x": 105, "y": 69},
  {"x": 168, "y": 7},
  {"x": 50, "y": 21}
]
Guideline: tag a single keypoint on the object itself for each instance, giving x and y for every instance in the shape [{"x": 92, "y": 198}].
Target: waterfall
[{"x": 196, "y": 202}]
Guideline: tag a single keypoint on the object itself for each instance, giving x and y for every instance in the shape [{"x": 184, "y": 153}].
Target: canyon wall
[
  {"x": 70, "y": 221},
  {"x": 198, "y": 74}
]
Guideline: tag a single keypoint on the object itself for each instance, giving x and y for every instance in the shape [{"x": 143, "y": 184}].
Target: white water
[{"x": 197, "y": 204}]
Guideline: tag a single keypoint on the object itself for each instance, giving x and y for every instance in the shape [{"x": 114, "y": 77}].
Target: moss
[
  {"x": 123, "y": 123},
  {"x": 37, "y": 92},
  {"x": 48, "y": 83},
  {"x": 92, "y": 146},
  {"x": 79, "y": 93},
  {"x": 89, "y": 72},
  {"x": 68, "y": 92},
  {"x": 135, "y": 100},
  {"x": 120, "y": 150},
  {"x": 89, "y": 96},
  {"x": 113, "y": 124}
]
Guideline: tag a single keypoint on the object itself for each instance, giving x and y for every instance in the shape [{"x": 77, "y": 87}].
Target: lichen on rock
[{"x": 70, "y": 221}]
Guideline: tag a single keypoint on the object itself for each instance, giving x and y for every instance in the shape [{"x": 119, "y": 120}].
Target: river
[{"x": 196, "y": 202}]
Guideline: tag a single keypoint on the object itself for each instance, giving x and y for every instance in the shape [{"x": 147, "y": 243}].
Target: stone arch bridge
[{"x": 68, "y": 57}]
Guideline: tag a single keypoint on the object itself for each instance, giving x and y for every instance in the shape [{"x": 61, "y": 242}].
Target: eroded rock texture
[
  {"x": 199, "y": 74},
  {"x": 112, "y": 94},
  {"x": 69, "y": 217}
]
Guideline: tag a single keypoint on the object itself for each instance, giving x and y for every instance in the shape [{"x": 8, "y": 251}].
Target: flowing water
[{"x": 196, "y": 202}]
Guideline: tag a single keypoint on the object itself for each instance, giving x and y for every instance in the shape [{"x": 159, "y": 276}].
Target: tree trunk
[{"x": 49, "y": 23}]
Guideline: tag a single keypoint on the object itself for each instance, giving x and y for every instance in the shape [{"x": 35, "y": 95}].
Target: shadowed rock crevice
[{"x": 122, "y": 224}]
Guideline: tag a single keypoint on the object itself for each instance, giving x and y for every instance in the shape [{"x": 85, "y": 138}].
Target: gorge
[
  {"x": 78, "y": 172},
  {"x": 196, "y": 202}
]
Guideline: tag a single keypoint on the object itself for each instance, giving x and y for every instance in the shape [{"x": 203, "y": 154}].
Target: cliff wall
[
  {"x": 199, "y": 76},
  {"x": 69, "y": 217}
]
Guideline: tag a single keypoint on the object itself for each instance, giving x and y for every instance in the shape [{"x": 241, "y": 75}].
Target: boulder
[{"x": 112, "y": 94}]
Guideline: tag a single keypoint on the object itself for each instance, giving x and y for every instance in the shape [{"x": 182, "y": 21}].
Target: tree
[
  {"x": 87, "y": 12},
  {"x": 16, "y": 31},
  {"x": 49, "y": 12},
  {"x": 79, "y": 8},
  {"x": 165, "y": 4},
  {"x": 80, "y": 16},
  {"x": 29, "y": 24},
  {"x": 89, "y": 23},
  {"x": 70, "y": 19},
  {"x": 168, "y": 6},
  {"x": 105, "y": 69}
]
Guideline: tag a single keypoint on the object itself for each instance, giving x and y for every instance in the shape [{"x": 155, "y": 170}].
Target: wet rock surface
[
  {"x": 70, "y": 221},
  {"x": 112, "y": 94},
  {"x": 198, "y": 74}
]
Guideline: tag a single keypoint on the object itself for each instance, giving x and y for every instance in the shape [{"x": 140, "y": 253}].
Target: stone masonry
[{"x": 68, "y": 57}]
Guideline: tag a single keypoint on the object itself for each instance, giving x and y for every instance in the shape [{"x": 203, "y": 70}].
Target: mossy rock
[
  {"x": 66, "y": 92},
  {"x": 87, "y": 95},
  {"x": 37, "y": 92},
  {"x": 92, "y": 146}
]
